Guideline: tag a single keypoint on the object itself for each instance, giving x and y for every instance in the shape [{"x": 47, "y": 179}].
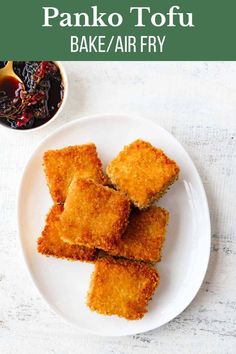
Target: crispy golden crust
[
  {"x": 144, "y": 236},
  {"x": 61, "y": 165},
  {"x": 94, "y": 215},
  {"x": 143, "y": 172},
  {"x": 50, "y": 243},
  {"x": 122, "y": 287}
]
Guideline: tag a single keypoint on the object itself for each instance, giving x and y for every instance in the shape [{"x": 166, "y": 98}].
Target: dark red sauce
[
  {"x": 38, "y": 102},
  {"x": 9, "y": 85}
]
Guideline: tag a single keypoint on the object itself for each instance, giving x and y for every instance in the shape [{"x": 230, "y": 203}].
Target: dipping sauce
[
  {"x": 9, "y": 85},
  {"x": 38, "y": 103}
]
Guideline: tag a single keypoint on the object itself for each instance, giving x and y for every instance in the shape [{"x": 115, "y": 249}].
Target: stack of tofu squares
[{"x": 110, "y": 220}]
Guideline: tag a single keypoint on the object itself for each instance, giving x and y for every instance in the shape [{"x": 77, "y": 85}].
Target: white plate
[{"x": 184, "y": 262}]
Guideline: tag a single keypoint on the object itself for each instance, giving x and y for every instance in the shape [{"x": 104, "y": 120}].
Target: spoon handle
[{"x": 9, "y": 65}]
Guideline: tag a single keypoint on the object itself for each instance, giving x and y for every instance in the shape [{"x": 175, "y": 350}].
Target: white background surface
[{"x": 197, "y": 103}]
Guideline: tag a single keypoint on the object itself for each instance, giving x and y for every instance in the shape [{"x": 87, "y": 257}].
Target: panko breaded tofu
[
  {"x": 143, "y": 172},
  {"x": 94, "y": 215},
  {"x": 61, "y": 165},
  {"x": 144, "y": 236},
  {"x": 50, "y": 244},
  {"x": 122, "y": 287}
]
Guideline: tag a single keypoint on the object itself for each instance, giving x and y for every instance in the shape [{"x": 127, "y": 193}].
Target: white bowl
[{"x": 58, "y": 112}]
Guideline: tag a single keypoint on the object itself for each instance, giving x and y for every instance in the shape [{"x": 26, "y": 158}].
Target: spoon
[
  {"x": 9, "y": 81},
  {"x": 8, "y": 71},
  {"x": 11, "y": 86}
]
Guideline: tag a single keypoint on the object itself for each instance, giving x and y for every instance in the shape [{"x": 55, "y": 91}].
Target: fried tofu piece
[
  {"x": 143, "y": 172},
  {"x": 50, "y": 244},
  {"x": 61, "y": 165},
  {"x": 122, "y": 287},
  {"x": 144, "y": 236},
  {"x": 94, "y": 215}
]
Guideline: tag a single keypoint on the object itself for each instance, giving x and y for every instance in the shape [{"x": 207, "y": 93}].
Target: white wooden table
[{"x": 197, "y": 103}]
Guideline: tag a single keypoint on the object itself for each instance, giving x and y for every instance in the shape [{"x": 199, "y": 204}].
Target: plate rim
[{"x": 206, "y": 213}]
